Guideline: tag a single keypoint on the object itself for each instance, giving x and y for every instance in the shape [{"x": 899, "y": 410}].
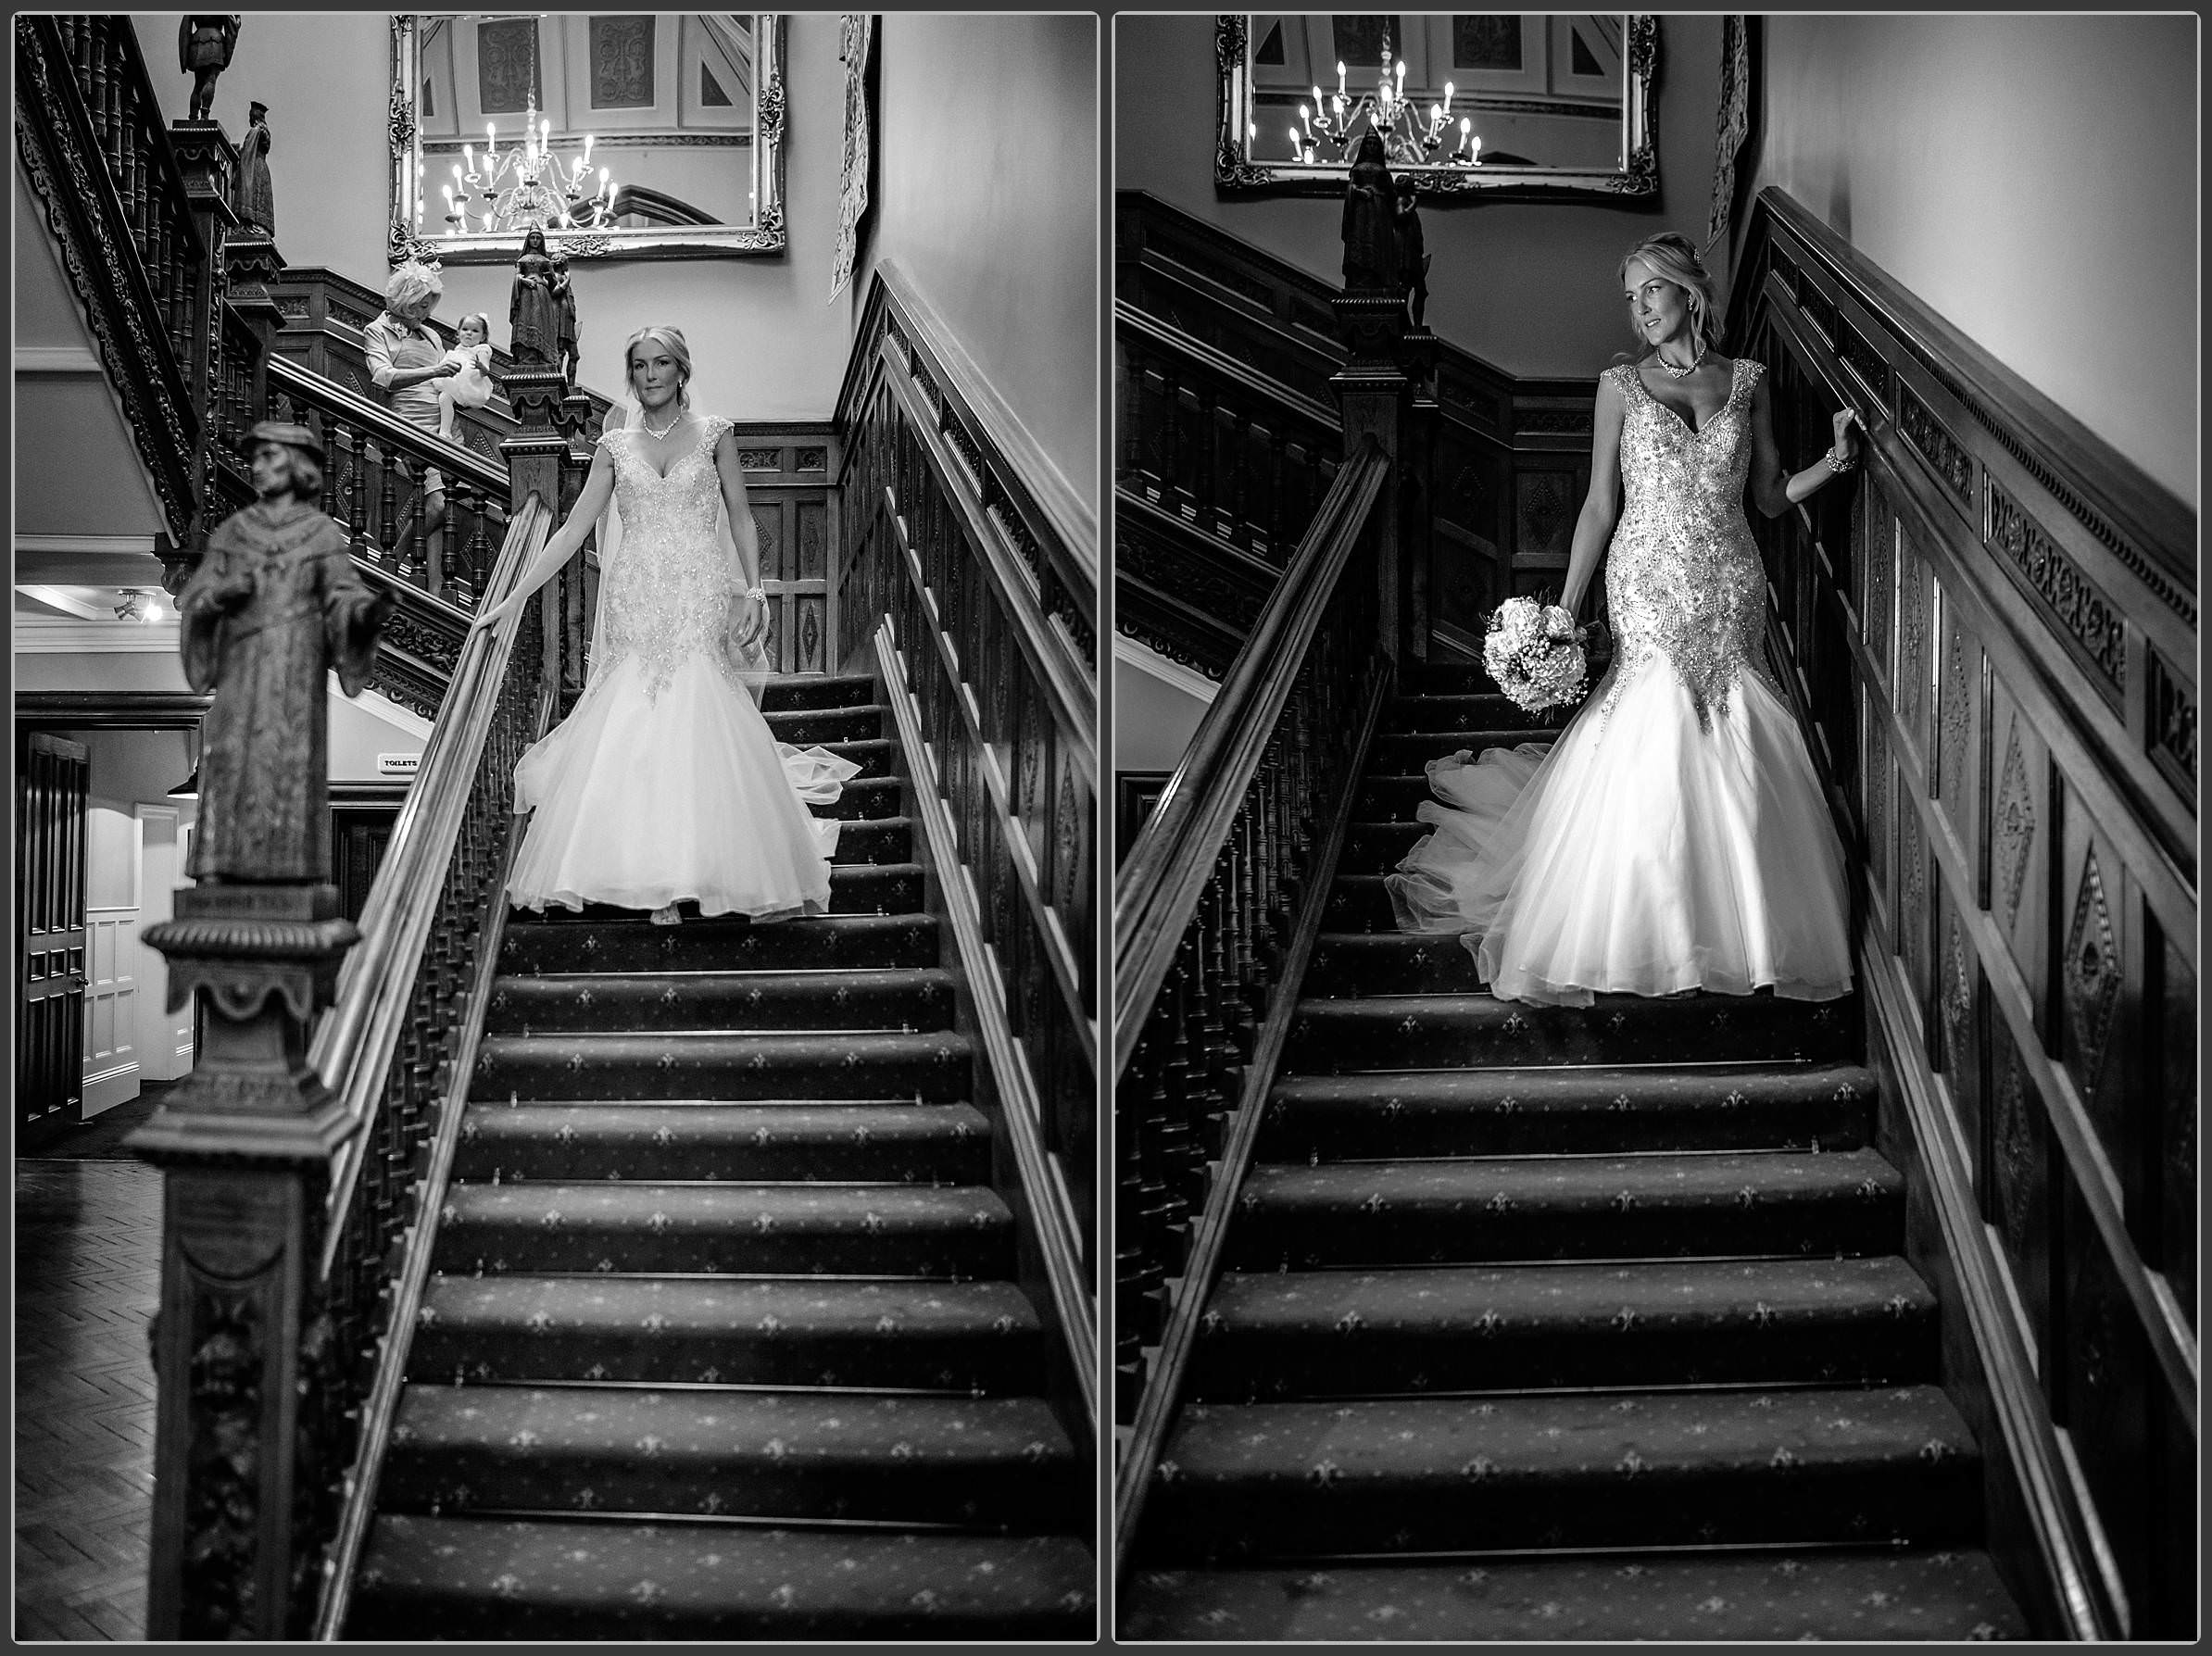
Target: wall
[
  {"x": 991, "y": 206},
  {"x": 1154, "y": 717},
  {"x": 2059, "y": 230},
  {"x": 766, "y": 342},
  {"x": 1527, "y": 285}
]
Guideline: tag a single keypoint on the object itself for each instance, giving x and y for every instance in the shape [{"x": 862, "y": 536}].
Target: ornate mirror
[
  {"x": 1527, "y": 106},
  {"x": 621, "y": 134}
]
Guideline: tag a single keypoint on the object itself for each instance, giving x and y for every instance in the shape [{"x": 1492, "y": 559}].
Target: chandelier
[
  {"x": 1410, "y": 138},
  {"x": 527, "y": 185}
]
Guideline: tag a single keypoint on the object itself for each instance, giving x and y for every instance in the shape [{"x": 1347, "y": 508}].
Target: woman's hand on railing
[{"x": 487, "y": 619}]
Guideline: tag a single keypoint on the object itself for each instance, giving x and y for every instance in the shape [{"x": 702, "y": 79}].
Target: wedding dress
[
  {"x": 665, "y": 783},
  {"x": 1673, "y": 837}
]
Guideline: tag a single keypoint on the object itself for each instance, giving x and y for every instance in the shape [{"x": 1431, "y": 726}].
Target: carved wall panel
[
  {"x": 2174, "y": 1072},
  {"x": 1879, "y": 785},
  {"x": 1914, "y": 616},
  {"x": 2097, "y": 1021},
  {"x": 1958, "y": 1023},
  {"x": 1958, "y": 739},
  {"x": 1913, "y": 921},
  {"x": 2105, "y": 1391},
  {"x": 2020, "y": 822},
  {"x": 2019, "y": 1201}
]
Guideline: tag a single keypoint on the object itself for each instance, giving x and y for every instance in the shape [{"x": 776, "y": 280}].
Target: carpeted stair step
[
  {"x": 639, "y": 1001},
  {"x": 1441, "y": 1032},
  {"x": 928, "y": 1144},
  {"x": 1385, "y": 797},
  {"x": 980, "y": 1337},
  {"x": 1351, "y": 964},
  {"x": 960, "y": 1232},
  {"x": 1567, "y": 1110},
  {"x": 876, "y": 757},
  {"x": 1480, "y": 710},
  {"x": 1763, "y": 1598},
  {"x": 1892, "y": 1465},
  {"x": 816, "y": 690},
  {"x": 1567, "y": 1207},
  {"x": 1378, "y": 847},
  {"x": 931, "y": 1067},
  {"x": 1407, "y": 754},
  {"x": 1450, "y": 678},
  {"x": 876, "y": 842},
  {"x": 805, "y": 727},
  {"x": 855, "y": 888},
  {"x": 617, "y": 940},
  {"x": 553, "y": 1580},
  {"x": 864, "y": 798},
  {"x": 1005, "y": 1463},
  {"x": 1854, "y": 1321}
]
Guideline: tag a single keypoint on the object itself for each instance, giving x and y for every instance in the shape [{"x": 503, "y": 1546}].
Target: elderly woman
[{"x": 407, "y": 359}]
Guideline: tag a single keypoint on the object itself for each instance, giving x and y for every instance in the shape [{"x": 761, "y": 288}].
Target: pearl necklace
[
  {"x": 664, "y": 430},
  {"x": 1672, "y": 372}
]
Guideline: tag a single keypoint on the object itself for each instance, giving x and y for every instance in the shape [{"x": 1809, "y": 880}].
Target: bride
[
  {"x": 665, "y": 783},
  {"x": 1674, "y": 836}
]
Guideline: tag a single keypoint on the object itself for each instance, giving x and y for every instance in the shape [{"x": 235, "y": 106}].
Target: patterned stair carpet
[
  {"x": 1564, "y": 1323},
  {"x": 721, "y": 1339}
]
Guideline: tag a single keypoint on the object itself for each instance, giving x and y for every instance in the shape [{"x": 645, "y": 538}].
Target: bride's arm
[
  {"x": 1773, "y": 492},
  {"x": 560, "y": 546},
  {"x": 1602, "y": 505},
  {"x": 731, "y": 471}
]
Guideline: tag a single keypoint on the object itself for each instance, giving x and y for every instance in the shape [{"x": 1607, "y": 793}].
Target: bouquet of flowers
[{"x": 1534, "y": 651}]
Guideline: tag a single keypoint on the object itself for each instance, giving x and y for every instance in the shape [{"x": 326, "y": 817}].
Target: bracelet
[
  {"x": 1836, "y": 463},
  {"x": 756, "y": 592}
]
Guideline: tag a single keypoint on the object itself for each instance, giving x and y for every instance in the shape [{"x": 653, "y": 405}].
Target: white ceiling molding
[
  {"x": 55, "y": 360},
  {"x": 43, "y": 635},
  {"x": 1128, "y": 652},
  {"x": 379, "y": 706},
  {"x": 64, "y": 602},
  {"x": 87, "y": 561}
]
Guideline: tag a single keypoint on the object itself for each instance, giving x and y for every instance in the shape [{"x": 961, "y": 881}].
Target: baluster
[
  {"x": 353, "y": 497},
  {"x": 376, "y": 482},
  {"x": 1237, "y": 503},
  {"x": 1171, "y": 439}
]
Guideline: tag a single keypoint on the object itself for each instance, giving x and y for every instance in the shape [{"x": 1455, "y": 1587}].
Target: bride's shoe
[{"x": 667, "y": 917}]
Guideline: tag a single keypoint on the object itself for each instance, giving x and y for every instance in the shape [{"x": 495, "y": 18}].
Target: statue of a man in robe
[{"x": 275, "y": 604}]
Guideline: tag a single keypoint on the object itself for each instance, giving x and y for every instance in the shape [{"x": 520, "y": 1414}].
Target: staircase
[
  {"x": 723, "y": 1340},
  {"x": 1558, "y": 1323}
]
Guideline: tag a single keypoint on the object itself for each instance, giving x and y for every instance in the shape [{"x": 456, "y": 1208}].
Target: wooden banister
[
  {"x": 965, "y": 576},
  {"x": 1216, "y": 910}
]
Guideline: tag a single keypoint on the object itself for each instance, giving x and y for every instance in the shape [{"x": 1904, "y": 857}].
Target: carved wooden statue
[
  {"x": 256, "y": 199},
  {"x": 275, "y": 604},
  {"x": 204, "y": 48},
  {"x": 565, "y": 296},
  {"x": 533, "y": 311},
  {"x": 1413, "y": 252},
  {"x": 1371, "y": 259}
]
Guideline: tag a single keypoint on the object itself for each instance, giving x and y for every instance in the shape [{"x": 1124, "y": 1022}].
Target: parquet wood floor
[{"x": 88, "y": 1239}]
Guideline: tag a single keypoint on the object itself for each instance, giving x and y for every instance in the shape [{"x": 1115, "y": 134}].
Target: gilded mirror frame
[
  {"x": 1236, "y": 174},
  {"x": 764, "y": 236}
]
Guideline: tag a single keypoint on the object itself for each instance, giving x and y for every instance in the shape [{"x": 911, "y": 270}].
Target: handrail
[
  {"x": 386, "y": 427},
  {"x": 1058, "y": 1229},
  {"x": 336, "y": 1593},
  {"x": 1159, "y": 883},
  {"x": 353, "y": 1044}
]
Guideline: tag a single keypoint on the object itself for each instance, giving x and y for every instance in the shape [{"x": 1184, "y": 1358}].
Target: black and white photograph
[
  {"x": 1654, "y": 1050},
  {"x": 557, "y": 569}
]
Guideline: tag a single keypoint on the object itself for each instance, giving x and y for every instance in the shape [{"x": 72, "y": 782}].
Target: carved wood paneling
[{"x": 2041, "y": 713}]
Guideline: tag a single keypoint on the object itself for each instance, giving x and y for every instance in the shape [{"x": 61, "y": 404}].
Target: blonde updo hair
[
  {"x": 671, "y": 339},
  {"x": 1672, "y": 259},
  {"x": 410, "y": 284}
]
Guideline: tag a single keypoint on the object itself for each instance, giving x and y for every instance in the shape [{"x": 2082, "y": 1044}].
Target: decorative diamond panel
[
  {"x": 2012, "y": 830},
  {"x": 2091, "y": 979}
]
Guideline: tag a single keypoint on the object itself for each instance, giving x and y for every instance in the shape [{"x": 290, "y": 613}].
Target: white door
[
  {"x": 111, "y": 947},
  {"x": 164, "y": 1037}
]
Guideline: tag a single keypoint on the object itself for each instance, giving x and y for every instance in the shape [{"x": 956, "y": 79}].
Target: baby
[{"x": 471, "y": 387}]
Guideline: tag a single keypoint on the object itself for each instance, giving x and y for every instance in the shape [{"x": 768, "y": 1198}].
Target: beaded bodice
[
  {"x": 666, "y": 591},
  {"x": 1682, "y": 576}
]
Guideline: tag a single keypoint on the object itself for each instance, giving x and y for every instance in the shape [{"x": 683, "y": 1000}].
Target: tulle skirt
[
  {"x": 1640, "y": 853},
  {"x": 642, "y": 804}
]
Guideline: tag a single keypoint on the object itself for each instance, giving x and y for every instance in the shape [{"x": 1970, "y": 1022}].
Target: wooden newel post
[
  {"x": 245, "y": 1436},
  {"x": 1373, "y": 392},
  {"x": 209, "y": 164},
  {"x": 533, "y": 457}
]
